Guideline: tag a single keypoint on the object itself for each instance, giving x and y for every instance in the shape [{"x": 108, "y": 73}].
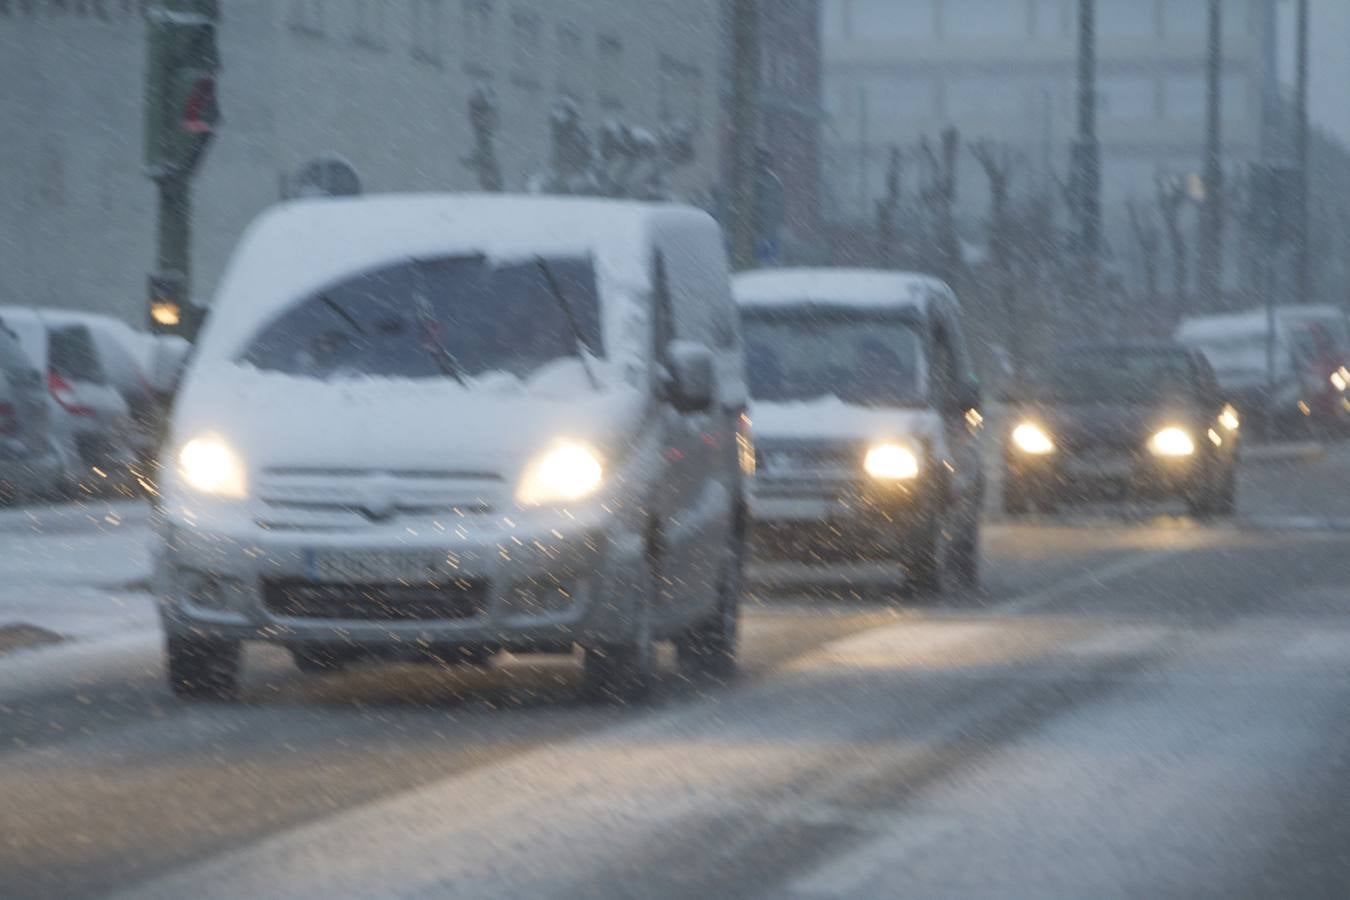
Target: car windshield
[
  {"x": 460, "y": 317},
  {"x": 865, "y": 360},
  {"x": 1115, "y": 375}
]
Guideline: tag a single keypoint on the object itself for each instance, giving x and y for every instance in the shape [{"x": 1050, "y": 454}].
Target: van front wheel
[
  {"x": 624, "y": 672},
  {"x": 708, "y": 649}
]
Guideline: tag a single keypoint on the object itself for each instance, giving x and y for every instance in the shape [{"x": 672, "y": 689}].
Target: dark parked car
[
  {"x": 29, "y": 462},
  {"x": 1122, "y": 421}
]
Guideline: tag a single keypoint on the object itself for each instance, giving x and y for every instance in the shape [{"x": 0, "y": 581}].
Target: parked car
[
  {"x": 29, "y": 462},
  {"x": 125, "y": 355},
  {"x": 91, "y": 422},
  {"x": 1298, "y": 378},
  {"x": 1122, "y": 421},
  {"x": 439, "y": 426},
  {"x": 866, "y": 421}
]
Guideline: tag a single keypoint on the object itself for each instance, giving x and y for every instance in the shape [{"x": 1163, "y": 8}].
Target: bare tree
[
  {"x": 939, "y": 199},
  {"x": 483, "y": 119},
  {"x": 888, "y": 211},
  {"x": 1172, "y": 200},
  {"x": 998, "y": 161},
  {"x": 1147, "y": 238}
]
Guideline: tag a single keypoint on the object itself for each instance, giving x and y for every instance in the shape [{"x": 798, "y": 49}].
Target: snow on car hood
[
  {"x": 832, "y": 418},
  {"x": 494, "y": 425}
]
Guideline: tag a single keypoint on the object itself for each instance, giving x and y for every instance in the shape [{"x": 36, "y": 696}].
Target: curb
[{"x": 1302, "y": 452}]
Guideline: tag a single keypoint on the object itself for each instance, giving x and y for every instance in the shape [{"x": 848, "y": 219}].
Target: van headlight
[
  {"x": 1172, "y": 441},
  {"x": 891, "y": 462},
  {"x": 563, "y": 474},
  {"x": 1032, "y": 439},
  {"x": 208, "y": 465}
]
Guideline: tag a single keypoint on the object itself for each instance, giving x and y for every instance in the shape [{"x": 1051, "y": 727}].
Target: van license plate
[{"x": 374, "y": 567}]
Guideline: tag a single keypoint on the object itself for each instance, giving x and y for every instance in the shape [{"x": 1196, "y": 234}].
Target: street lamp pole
[
  {"x": 1210, "y": 274},
  {"x": 1085, "y": 177},
  {"x": 1301, "y": 229},
  {"x": 744, "y": 125}
]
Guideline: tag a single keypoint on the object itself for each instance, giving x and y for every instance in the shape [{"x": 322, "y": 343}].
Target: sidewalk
[{"x": 72, "y": 573}]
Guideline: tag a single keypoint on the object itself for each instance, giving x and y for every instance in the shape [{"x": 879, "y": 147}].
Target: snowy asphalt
[{"x": 1134, "y": 706}]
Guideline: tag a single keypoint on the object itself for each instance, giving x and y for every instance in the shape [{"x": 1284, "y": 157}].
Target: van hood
[
  {"x": 281, "y": 421},
  {"x": 830, "y": 418}
]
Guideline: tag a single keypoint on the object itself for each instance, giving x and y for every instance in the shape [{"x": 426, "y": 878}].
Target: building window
[
  {"x": 869, "y": 19},
  {"x": 525, "y": 49},
  {"x": 306, "y": 17},
  {"x": 1184, "y": 97},
  {"x": 369, "y": 29},
  {"x": 984, "y": 19},
  {"x": 476, "y": 29},
  {"x": 1128, "y": 97},
  {"x": 1050, "y": 18},
  {"x": 571, "y": 62},
  {"x": 680, "y": 93},
  {"x": 1129, "y": 20},
  {"x": 609, "y": 71}
]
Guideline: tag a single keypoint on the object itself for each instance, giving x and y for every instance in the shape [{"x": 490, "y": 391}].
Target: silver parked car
[
  {"x": 91, "y": 422},
  {"x": 451, "y": 425},
  {"x": 29, "y": 462}
]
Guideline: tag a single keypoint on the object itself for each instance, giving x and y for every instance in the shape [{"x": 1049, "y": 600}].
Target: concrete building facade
[
  {"x": 1004, "y": 69},
  {"x": 383, "y": 84}
]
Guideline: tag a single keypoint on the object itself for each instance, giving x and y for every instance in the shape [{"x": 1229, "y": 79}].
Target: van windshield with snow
[
  {"x": 862, "y": 359},
  {"x": 459, "y": 318}
]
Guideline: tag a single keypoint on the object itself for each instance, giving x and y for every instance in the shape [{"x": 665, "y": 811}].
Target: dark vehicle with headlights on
[
  {"x": 1122, "y": 421},
  {"x": 866, "y": 422}
]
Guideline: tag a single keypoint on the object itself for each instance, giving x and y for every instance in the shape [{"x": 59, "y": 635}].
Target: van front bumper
[
  {"x": 509, "y": 587},
  {"x": 837, "y": 521}
]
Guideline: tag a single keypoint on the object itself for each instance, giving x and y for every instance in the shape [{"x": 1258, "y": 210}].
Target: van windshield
[
  {"x": 865, "y": 360},
  {"x": 458, "y": 318}
]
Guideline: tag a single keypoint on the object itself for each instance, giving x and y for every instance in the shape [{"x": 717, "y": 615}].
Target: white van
[
  {"x": 867, "y": 424},
  {"x": 435, "y": 427}
]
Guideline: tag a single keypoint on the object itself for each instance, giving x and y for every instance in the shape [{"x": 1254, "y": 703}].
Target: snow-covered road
[{"x": 1151, "y": 708}]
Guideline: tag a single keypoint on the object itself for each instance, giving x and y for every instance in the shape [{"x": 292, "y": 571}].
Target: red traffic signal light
[{"x": 199, "y": 109}]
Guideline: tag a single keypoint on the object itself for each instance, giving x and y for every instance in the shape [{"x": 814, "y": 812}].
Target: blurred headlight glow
[
  {"x": 1032, "y": 439},
  {"x": 1338, "y": 381},
  {"x": 1229, "y": 419},
  {"x": 891, "y": 462},
  {"x": 209, "y": 466},
  {"x": 566, "y": 473},
  {"x": 1172, "y": 442}
]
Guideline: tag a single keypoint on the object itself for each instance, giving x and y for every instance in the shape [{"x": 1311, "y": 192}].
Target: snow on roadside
[{"x": 75, "y": 572}]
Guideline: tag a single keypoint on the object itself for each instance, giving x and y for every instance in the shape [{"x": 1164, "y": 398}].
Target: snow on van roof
[
  {"x": 841, "y": 287},
  {"x": 297, "y": 248},
  {"x": 1228, "y": 326}
]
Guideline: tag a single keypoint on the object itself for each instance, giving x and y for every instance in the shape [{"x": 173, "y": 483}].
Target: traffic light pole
[
  {"x": 745, "y": 79},
  {"x": 1210, "y": 273},
  {"x": 180, "y": 116}
]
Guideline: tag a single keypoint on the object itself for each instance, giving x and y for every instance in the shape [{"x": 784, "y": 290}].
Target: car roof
[{"x": 848, "y": 288}]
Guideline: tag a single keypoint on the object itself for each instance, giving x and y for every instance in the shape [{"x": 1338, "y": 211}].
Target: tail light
[
  {"x": 64, "y": 394},
  {"x": 9, "y": 425}
]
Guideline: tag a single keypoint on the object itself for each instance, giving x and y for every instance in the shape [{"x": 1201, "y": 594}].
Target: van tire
[
  {"x": 624, "y": 672},
  {"x": 202, "y": 668},
  {"x": 708, "y": 649},
  {"x": 928, "y": 568}
]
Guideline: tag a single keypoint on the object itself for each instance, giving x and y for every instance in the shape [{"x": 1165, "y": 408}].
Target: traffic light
[{"x": 181, "y": 111}]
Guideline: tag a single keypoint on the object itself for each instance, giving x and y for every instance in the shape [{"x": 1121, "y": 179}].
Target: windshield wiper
[
  {"x": 577, "y": 340},
  {"x": 445, "y": 360},
  {"x": 343, "y": 314}
]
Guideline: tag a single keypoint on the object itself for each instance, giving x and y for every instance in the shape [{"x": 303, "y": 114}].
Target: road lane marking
[{"x": 1096, "y": 578}]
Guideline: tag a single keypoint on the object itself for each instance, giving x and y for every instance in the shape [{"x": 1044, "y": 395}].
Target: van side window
[{"x": 663, "y": 318}]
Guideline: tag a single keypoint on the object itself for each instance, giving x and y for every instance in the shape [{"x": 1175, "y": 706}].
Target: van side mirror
[
  {"x": 689, "y": 387},
  {"x": 965, "y": 396}
]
